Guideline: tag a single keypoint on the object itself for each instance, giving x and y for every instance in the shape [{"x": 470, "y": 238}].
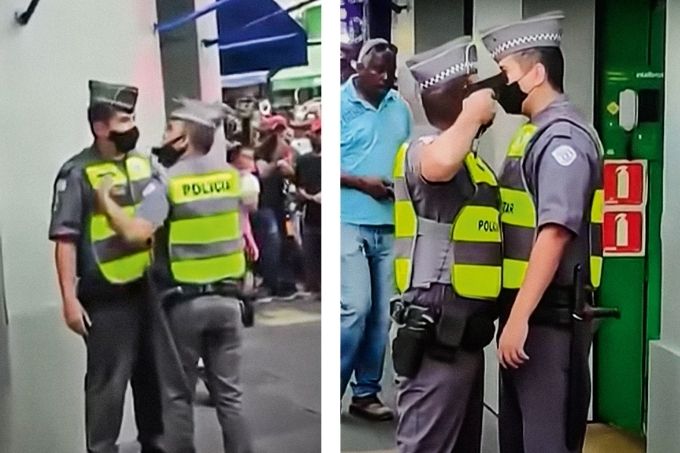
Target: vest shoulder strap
[
  {"x": 562, "y": 128},
  {"x": 479, "y": 171},
  {"x": 399, "y": 168}
]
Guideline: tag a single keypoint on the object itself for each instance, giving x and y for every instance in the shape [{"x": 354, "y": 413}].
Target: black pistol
[{"x": 496, "y": 83}]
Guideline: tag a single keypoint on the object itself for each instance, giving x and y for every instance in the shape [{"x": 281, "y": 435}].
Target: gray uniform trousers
[
  {"x": 440, "y": 409},
  {"x": 208, "y": 327},
  {"x": 533, "y": 398},
  {"x": 120, "y": 349}
]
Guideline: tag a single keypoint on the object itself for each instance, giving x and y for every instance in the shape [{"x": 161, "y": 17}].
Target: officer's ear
[
  {"x": 184, "y": 141},
  {"x": 540, "y": 74},
  {"x": 100, "y": 129}
]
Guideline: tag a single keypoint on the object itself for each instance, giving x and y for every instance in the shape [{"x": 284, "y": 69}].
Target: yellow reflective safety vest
[
  {"x": 205, "y": 244},
  {"x": 473, "y": 240},
  {"x": 518, "y": 216},
  {"x": 118, "y": 261}
]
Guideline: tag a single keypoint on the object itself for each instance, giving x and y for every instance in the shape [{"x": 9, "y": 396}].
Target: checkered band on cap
[
  {"x": 508, "y": 45},
  {"x": 456, "y": 69}
]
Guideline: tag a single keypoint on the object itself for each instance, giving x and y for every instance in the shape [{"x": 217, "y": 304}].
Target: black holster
[
  {"x": 479, "y": 332},
  {"x": 408, "y": 349},
  {"x": 413, "y": 338},
  {"x": 458, "y": 328},
  {"x": 448, "y": 333}
]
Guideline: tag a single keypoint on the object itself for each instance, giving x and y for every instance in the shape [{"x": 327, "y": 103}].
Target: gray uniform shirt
[
  {"x": 72, "y": 205},
  {"x": 441, "y": 202},
  {"x": 155, "y": 208},
  {"x": 562, "y": 168}
]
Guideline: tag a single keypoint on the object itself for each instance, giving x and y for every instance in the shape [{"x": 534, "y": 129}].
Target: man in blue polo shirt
[{"x": 375, "y": 121}]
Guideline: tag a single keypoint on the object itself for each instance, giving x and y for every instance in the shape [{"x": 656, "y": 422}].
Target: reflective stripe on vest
[
  {"x": 118, "y": 261},
  {"x": 475, "y": 237},
  {"x": 204, "y": 238},
  {"x": 518, "y": 216}
]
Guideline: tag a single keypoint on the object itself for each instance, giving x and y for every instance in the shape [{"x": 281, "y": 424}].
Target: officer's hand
[
  {"x": 511, "y": 344},
  {"x": 103, "y": 191},
  {"x": 76, "y": 317},
  {"x": 480, "y": 107},
  {"x": 317, "y": 198},
  {"x": 375, "y": 187}
]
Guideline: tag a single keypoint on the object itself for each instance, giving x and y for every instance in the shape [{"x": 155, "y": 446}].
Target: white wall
[
  {"x": 44, "y": 69},
  {"x": 664, "y": 380}
]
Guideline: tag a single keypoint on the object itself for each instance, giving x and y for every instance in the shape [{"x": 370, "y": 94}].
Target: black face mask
[
  {"x": 125, "y": 141},
  {"x": 167, "y": 154},
  {"x": 511, "y": 97}
]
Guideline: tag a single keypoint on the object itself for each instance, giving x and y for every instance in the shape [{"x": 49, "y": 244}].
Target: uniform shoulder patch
[
  {"x": 149, "y": 189},
  {"x": 564, "y": 155},
  {"x": 61, "y": 185}
]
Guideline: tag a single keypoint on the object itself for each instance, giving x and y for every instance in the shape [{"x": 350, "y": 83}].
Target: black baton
[{"x": 583, "y": 314}]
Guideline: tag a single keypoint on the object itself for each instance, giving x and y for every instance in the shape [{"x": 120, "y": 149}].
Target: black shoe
[{"x": 370, "y": 408}]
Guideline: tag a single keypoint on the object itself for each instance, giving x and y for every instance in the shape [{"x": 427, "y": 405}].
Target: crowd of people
[{"x": 281, "y": 173}]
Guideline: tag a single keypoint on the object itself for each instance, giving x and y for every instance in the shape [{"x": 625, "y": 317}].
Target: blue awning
[{"x": 257, "y": 35}]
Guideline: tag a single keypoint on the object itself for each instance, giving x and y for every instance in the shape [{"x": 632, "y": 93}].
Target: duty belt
[
  {"x": 555, "y": 307},
  {"x": 177, "y": 294},
  {"x": 183, "y": 292}
]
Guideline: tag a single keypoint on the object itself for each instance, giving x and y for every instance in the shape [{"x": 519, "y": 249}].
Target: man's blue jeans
[{"x": 367, "y": 284}]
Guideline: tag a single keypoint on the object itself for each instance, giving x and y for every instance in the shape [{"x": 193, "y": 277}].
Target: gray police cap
[
  {"x": 448, "y": 61},
  {"x": 544, "y": 30},
  {"x": 121, "y": 97},
  {"x": 199, "y": 112}
]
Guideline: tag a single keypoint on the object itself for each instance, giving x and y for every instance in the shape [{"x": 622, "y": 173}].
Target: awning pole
[{"x": 212, "y": 42}]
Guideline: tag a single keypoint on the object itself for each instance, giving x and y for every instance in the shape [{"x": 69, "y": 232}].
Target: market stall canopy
[
  {"x": 254, "y": 35},
  {"x": 258, "y": 35},
  {"x": 244, "y": 79},
  {"x": 301, "y": 76}
]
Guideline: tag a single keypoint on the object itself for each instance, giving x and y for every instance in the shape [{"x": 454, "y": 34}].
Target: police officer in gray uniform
[
  {"x": 551, "y": 224},
  {"x": 192, "y": 212},
  {"x": 448, "y": 266},
  {"x": 104, "y": 293}
]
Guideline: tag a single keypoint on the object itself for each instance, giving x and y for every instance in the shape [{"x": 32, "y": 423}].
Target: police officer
[
  {"x": 193, "y": 214},
  {"x": 101, "y": 278},
  {"x": 447, "y": 258},
  {"x": 552, "y": 214}
]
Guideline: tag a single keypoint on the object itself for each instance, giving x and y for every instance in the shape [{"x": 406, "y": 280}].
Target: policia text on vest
[{"x": 207, "y": 187}]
